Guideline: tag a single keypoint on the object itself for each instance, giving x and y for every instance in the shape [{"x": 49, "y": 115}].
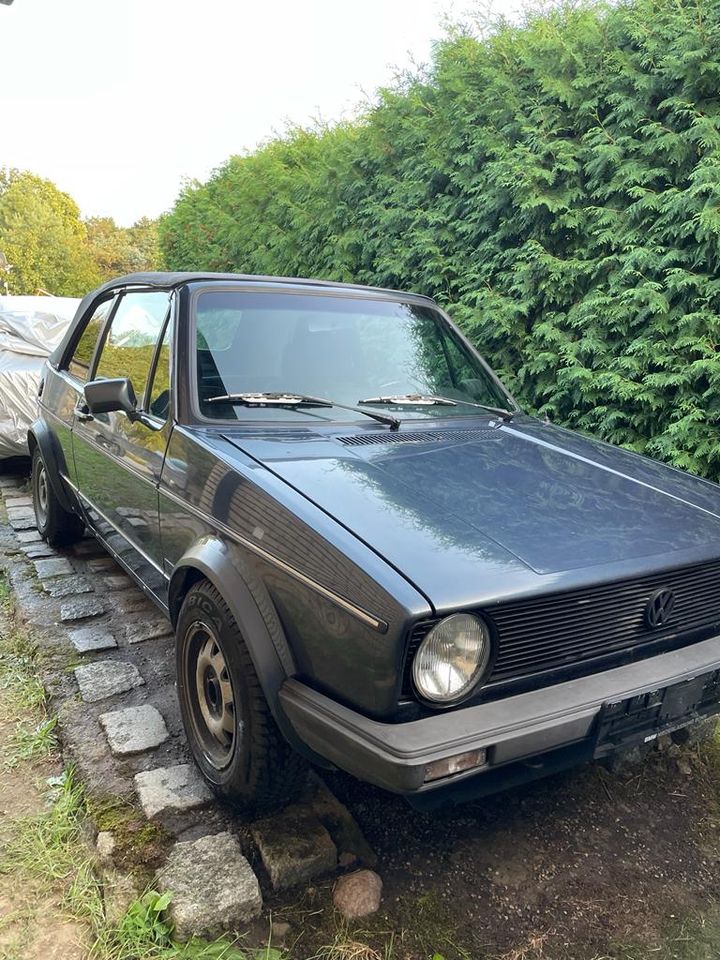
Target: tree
[
  {"x": 120, "y": 250},
  {"x": 43, "y": 237},
  {"x": 145, "y": 243}
]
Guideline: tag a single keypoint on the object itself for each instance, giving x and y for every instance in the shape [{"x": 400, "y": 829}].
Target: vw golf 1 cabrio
[{"x": 371, "y": 557}]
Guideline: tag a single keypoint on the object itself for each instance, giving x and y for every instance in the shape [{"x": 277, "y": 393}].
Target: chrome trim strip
[
  {"x": 363, "y": 615},
  {"x": 107, "y": 519},
  {"x": 69, "y": 482}
]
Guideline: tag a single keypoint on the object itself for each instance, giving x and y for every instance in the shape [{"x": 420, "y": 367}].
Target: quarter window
[
  {"x": 130, "y": 342},
  {"x": 85, "y": 348}
]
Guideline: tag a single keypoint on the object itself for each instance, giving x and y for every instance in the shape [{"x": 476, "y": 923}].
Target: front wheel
[
  {"x": 232, "y": 734},
  {"x": 55, "y": 524}
]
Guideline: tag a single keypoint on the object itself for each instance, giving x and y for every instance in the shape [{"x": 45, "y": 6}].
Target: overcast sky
[{"x": 118, "y": 100}]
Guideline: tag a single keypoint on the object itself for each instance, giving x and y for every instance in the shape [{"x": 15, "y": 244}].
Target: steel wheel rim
[
  {"x": 41, "y": 494},
  {"x": 212, "y": 698}
]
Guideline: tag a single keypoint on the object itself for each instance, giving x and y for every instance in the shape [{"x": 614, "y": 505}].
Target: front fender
[{"x": 224, "y": 564}]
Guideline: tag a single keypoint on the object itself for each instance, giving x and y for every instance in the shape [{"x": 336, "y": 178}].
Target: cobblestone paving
[{"x": 110, "y": 677}]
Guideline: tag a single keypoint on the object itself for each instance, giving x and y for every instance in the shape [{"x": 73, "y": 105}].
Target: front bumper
[{"x": 530, "y": 725}]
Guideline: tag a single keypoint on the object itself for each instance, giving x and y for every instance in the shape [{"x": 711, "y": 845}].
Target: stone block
[
  {"x": 171, "y": 790},
  {"x": 295, "y": 847},
  {"x": 132, "y": 601},
  {"x": 20, "y": 513},
  {"x": 29, "y": 536},
  {"x": 83, "y": 608},
  {"x": 67, "y": 587},
  {"x": 54, "y": 567},
  {"x": 105, "y": 847},
  {"x": 348, "y": 837},
  {"x": 38, "y": 551},
  {"x": 147, "y": 630},
  {"x": 92, "y": 639},
  {"x": 22, "y": 523},
  {"x": 119, "y": 891},
  {"x": 117, "y": 581},
  {"x": 13, "y": 500},
  {"x": 214, "y": 890},
  {"x": 133, "y": 729},
  {"x": 106, "y": 678}
]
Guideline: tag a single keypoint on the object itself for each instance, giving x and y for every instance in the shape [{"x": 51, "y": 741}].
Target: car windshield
[{"x": 401, "y": 359}]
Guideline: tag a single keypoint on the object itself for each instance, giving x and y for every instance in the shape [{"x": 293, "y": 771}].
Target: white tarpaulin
[{"x": 30, "y": 329}]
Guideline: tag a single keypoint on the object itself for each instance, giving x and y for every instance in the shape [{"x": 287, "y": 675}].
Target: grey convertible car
[{"x": 372, "y": 559}]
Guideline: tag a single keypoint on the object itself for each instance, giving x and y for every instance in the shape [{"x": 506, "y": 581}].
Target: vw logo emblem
[{"x": 659, "y": 608}]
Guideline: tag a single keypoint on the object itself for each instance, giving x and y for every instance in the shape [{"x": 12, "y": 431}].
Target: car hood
[{"x": 477, "y": 512}]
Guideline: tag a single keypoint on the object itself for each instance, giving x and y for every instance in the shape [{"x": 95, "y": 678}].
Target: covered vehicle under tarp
[{"x": 30, "y": 329}]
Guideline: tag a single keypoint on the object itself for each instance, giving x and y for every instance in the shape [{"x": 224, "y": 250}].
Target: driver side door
[{"x": 118, "y": 461}]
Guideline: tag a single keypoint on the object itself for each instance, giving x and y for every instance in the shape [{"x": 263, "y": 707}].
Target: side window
[
  {"x": 85, "y": 347},
  {"x": 130, "y": 342},
  {"x": 159, "y": 404}
]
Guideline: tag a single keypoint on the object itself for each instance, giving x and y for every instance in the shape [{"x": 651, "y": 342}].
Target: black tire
[
  {"x": 55, "y": 524},
  {"x": 232, "y": 734}
]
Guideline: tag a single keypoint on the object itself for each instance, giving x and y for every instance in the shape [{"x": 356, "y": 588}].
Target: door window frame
[
  {"x": 168, "y": 324},
  {"x": 99, "y": 346},
  {"x": 117, "y": 295},
  {"x": 69, "y": 354}
]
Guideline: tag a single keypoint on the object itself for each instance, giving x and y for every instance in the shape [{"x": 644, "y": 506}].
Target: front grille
[
  {"x": 563, "y": 630},
  {"x": 418, "y": 436}
]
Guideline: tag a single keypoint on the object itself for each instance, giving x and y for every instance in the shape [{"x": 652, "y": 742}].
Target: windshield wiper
[
  {"x": 421, "y": 399},
  {"x": 289, "y": 401}
]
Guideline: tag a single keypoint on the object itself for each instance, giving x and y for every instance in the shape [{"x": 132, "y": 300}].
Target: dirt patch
[
  {"x": 32, "y": 923},
  {"x": 588, "y": 865},
  {"x": 572, "y": 867}
]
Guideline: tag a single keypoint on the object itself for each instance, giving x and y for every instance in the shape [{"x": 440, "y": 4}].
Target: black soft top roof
[
  {"x": 171, "y": 280},
  {"x": 177, "y": 278}
]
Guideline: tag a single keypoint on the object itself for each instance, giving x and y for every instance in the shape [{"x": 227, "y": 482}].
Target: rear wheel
[
  {"x": 232, "y": 734},
  {"x": 55, "y": 524}
]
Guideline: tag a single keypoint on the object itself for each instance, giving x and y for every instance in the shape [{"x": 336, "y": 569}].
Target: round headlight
[{"x": 451, "y": 658}]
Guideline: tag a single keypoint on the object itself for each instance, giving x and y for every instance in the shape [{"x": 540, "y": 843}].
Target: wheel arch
[
  {"x": 222, "y": 565},
  {"x": 39, "y": 436}
]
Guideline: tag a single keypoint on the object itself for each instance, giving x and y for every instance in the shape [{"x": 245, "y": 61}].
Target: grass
[
  {"x": 144, "y": 934},
  {"x": 347, "y": 948},
  {"x": 46, "y": 855},
  {"x": 34, "y": 737},
  {"x": 696, "y": 938},
  {"x": 18, "y": 653},
  {"x": 49, "y": 848},
  {"x": 49, "y": 845},
  {"x": 31, "y": 741}
]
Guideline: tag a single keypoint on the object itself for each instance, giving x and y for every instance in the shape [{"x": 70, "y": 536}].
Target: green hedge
[{"x": 556, "y": 185}]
